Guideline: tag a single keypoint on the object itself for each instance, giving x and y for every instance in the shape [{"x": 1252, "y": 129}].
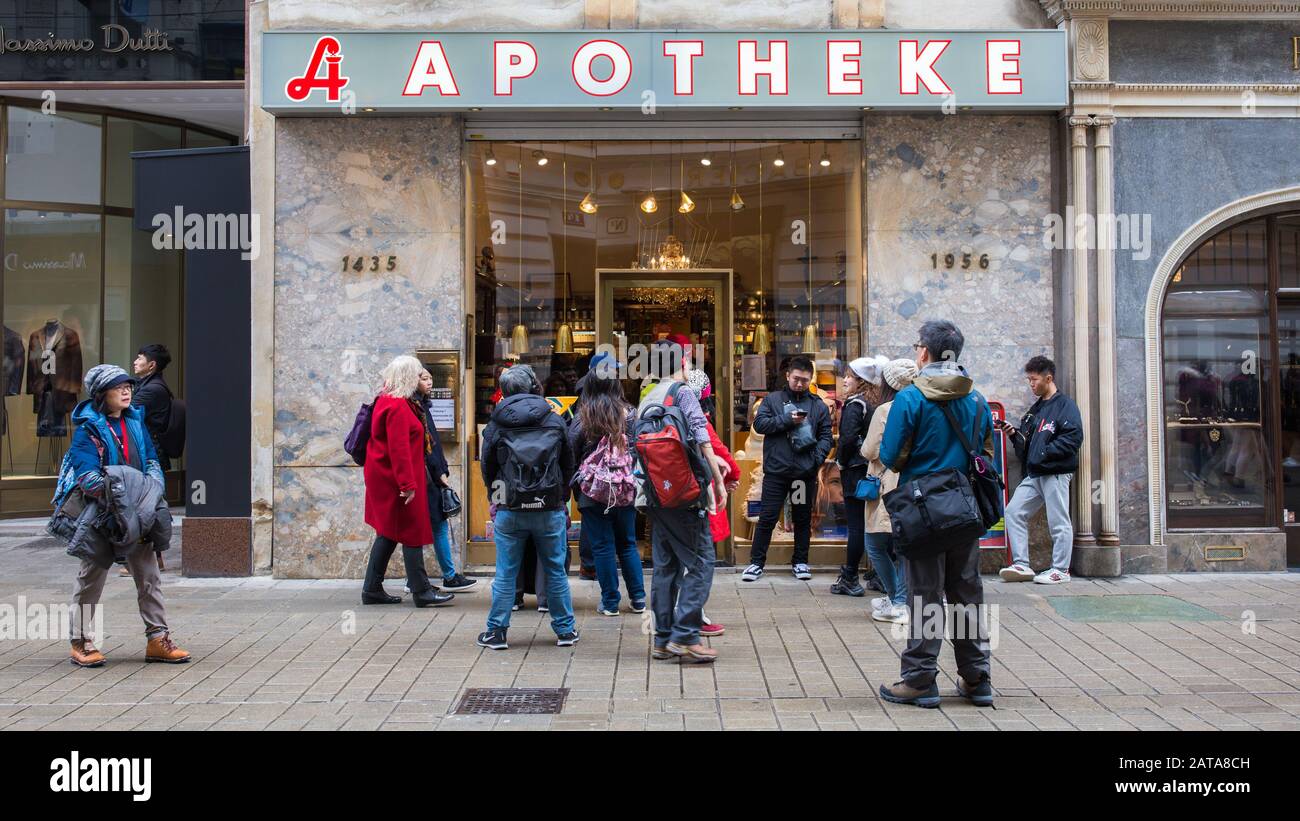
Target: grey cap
[{"x": 102, "y": 377}]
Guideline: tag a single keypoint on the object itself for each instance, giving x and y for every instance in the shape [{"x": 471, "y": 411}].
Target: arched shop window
[{"x": 1231, "y": 370}]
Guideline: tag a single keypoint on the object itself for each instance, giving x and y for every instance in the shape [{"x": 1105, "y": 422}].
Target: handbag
[
  {"x": 934, "y": 513},
  {"x": 867, "y": 488},
  {"x": 450, "y": 501},
  {"x": 985, "y": 482},
  {"x": 359, "y": 437}
]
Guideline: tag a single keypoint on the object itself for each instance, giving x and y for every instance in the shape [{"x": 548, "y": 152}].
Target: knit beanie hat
[
  {"x": 102, "y": 377},
  {"x": 900, "y": 373},
  {"x": 869, "y": 367}
]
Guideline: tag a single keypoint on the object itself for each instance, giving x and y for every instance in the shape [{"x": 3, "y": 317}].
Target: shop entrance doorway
[{"x": 636, "y": 307}]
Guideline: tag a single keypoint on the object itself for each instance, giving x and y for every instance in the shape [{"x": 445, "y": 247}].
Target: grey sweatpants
[
  {"x": 148, "y": 592},
  {"x": 1031, "y": 494},
  {"x": 683, "y": 555}
]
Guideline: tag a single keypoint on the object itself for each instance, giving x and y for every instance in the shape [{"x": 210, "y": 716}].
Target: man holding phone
[
  {"x": 797, "y": 439},
  {"x": 1047, "y": 442}
]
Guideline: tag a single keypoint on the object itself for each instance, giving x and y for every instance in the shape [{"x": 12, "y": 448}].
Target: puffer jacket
[
  {"x": 877, "y": 515},
  {"x": 132, "y": 514}
]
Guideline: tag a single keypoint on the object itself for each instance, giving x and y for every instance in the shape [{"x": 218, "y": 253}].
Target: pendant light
[
  {"x": 588, "y": 204},
  {"x": 687, "y": 204},
  {"x": 564, "y": 333},
  {"x": 491, "y": 158},
  {"x": 762, "y": 340},
  {"x": 780, "y": 158},
  {"x": 737, "y": 204},
  {"x": 519, "y": 336},
  {"x": 826, "y": 156},
  {"x": 650, "y": 205},
  {"x": 809, "y": 330}
]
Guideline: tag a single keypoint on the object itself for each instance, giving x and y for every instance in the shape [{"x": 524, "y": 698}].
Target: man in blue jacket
[
  {"x": 918, "y": 440},
  {"x": 1048, "y": 443}
]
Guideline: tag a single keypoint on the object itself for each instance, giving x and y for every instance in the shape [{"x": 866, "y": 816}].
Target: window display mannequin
[
  {"x": 53, "y": 347},
  {"x": 12, "y": 375}
]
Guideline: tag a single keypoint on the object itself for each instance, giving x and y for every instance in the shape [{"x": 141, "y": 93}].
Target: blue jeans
[
  {"x": 892, "y": 575},
  {"x": 613, "y": 545},
  {"x": 512, "y": 529},
  {"x": 442, "y": 549}
]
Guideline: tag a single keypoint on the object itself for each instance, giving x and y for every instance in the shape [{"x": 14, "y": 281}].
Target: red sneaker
[{"x": 712, "y": 630}]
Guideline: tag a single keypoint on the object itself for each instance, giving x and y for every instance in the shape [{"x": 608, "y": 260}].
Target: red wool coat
[
  {"x": 719, "y": 524},
  {"x": 395, "y": 462}
]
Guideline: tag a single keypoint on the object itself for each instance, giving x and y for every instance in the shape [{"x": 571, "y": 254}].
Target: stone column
[
  {"x": 1106, "y": 364},
  {"x": 1082, "y": 343}
]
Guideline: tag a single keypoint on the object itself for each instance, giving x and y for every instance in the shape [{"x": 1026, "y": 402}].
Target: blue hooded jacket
[
  {"x": 82, "y": 463},
  {"x": 918, "y": 438}
]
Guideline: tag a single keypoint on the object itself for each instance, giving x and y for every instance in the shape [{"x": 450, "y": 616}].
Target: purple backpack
[
  {"x": 356, "y": 441},
  {"x": 606, "y": 476}
]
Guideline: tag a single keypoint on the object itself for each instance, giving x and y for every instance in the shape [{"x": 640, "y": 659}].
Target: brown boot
[
  {"x": 161, "y": 568},
  {"x": 84, "y": 654},
  {"x": 162, "y": 648},
  {"x": 693, "y": 653}
]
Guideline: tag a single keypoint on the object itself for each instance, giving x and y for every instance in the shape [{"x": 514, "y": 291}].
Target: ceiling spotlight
[
  {"x": 705, "y": 161},
  {"x": 649, "y": 204},
  {"x": 687, "y": 206},
  {"x": 367, "y": 109},
  {"x": 540, "y": 156},
  {"x": 491, "y": 158},
  {"x": 826, "y": 158},
  {"x": 780, "y": 159}
]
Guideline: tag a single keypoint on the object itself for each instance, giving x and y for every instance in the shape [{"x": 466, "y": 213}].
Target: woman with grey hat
[
  {"x": 892, "y": 607},
  {"x": 112, "y": 432},
  {"x": 861, "y": 392}
]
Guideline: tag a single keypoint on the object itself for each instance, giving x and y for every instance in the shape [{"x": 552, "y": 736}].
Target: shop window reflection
[{"x": 51, "y": 329}]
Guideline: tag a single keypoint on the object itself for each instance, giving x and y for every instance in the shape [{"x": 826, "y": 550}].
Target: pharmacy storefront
[{"x": 487, "y": 198}]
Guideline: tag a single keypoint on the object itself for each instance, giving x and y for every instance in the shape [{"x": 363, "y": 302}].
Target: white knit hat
[
  {"x": 869, "y": 368},
  {"x": 899, "y": 373}
]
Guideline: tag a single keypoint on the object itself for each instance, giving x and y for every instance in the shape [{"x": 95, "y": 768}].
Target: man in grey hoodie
[{"x": 918, "y": 440}]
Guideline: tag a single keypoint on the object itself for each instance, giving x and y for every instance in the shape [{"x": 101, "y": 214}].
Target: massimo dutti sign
[{"x": 320, "y": 72}]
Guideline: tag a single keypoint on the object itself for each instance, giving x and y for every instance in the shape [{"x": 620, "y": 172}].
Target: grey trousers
[
  {"x": 1031, "y": 494},
  {"x": 954, "y": 574},
  {"x": 143, "y": 564},
  {"x": 682, "y": 551}
]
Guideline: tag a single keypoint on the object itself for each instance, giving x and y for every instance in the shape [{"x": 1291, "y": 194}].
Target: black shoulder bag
[{"x": 984, "y": 480}]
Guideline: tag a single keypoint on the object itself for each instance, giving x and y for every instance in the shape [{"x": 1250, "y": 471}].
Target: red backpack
[{"x": 672, "y": 466}]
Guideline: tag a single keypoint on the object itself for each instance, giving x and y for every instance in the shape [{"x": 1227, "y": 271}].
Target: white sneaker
[
  {"x": 752, "y": 573},
  {"x": 1052, "y": 576},
  {"x": 1017, "y": 573},
  {"x": 801, "y": 572},
  {"x": 879, "y": 603},
  {"x": 894, "y": 614}
]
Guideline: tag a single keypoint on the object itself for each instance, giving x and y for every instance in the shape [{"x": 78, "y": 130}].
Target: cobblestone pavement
[{"x": 276, "y": 655}]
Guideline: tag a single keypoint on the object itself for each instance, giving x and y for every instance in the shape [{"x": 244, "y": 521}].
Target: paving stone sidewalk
[{"x": 276, "y": 654}]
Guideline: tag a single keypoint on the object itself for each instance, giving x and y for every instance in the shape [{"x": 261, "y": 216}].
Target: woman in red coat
[{"x": 396, "y": 486}]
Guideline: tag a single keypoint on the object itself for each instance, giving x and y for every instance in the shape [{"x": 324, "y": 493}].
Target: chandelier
[
  {"x": 675, "y": 299},
  {"x": 669, "y": 256}
]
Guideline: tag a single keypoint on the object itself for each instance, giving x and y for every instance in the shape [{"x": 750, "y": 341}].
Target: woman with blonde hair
[
  {"x": 397, "y": 485},
  {"x": 891, "y": 607}
]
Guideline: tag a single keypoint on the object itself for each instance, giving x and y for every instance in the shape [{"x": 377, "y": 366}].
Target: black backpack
[
  {"x": 985, "y": 482},
  {"x": 530, "y": 467},
  {"x": 172, "y": 438}
]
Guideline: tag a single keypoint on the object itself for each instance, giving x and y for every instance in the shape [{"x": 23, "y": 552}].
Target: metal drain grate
[{"x": 512, "y": 701}]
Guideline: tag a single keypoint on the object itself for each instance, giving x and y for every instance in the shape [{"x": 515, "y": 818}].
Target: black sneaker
[
  {"x": 567, "y": 639},
  {"x": 458, "y": 583},
  {"x": 519, "y": 602},
  {"x": 493, "y": 639},
  {"x": 847, "y": 584}
]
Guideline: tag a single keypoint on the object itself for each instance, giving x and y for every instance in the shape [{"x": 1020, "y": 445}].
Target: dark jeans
[
  {"x": 586, "y": 557},
  {"x": 613, "y": 544},
  {"x": 956, "y": 574},
  {"x": 775, "y": 489},
  {"x": 413, "y": 557},
  {"x": 855, "y": 510}
]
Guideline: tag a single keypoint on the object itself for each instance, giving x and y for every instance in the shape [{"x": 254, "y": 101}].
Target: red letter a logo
[{"x": 327, "y": 50}]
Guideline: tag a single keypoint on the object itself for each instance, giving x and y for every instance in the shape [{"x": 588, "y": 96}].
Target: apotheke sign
[{"x": 317, "y": 72}]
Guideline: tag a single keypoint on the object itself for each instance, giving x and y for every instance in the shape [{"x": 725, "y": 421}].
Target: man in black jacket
[
  {"x": 527, "y": 469},
  {"x": 152, "y": 394},
  {"x": 797, "y": 439},
  {"x": 1047, "y": 443}
]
